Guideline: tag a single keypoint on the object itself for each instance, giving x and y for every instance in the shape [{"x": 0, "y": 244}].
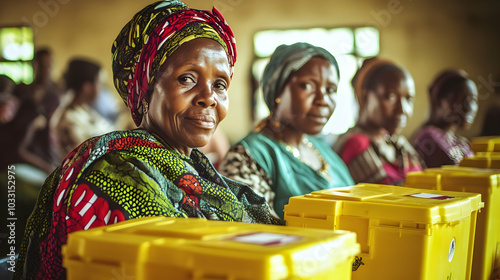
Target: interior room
[{"x": 423, "y": 36}]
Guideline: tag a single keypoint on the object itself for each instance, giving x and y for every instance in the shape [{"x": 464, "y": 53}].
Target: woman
[
  {"x": 77, "y": 121},
  {"x": 281, "y": 158},
  {"x": 453, "y": 98},
  {"x": 372, "y": 149},
  {"x": 172, "y": 65}
]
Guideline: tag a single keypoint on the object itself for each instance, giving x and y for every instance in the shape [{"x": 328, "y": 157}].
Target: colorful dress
[
  {"x": 125, "y": 175},
  {"x": 274, "y": 172},
  {"x": 370, "y": 162},
  {"x": 438, "y": 147}
]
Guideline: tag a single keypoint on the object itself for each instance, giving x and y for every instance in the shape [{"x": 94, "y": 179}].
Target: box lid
[
  {"x": 451, "y": 176},
  {"x": 401, "y": 203},
  {"x": 483, "y": 160},
  {"x": 486, "y": 144}
]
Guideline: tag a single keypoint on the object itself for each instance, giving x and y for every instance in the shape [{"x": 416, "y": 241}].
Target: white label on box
[
  {"x": 266, "y": 238},
  {"x": 431, "y": 196}
]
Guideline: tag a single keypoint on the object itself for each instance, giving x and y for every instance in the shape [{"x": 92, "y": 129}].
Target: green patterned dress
[{"x": 126, "y": 175}]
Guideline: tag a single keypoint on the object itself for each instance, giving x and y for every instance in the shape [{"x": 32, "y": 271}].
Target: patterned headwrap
[
  {"x": 285, "y": 60},
  {"x": 151, "y": 36}
]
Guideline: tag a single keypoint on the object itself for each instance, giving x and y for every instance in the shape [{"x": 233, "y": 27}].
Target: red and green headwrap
[{"x": 152, "y": 35}]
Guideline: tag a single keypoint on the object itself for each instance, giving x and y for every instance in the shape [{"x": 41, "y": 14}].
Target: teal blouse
[{"x": 285, "y": 174}]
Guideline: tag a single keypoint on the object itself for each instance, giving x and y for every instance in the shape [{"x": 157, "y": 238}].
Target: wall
[{"x": 423, "y": 36}]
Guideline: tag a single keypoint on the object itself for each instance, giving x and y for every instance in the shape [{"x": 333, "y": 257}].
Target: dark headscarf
[
  {"x": 444, "y": 83},
  {"x": 152, "y": 35},
  {"x": 285, "y": 60}
]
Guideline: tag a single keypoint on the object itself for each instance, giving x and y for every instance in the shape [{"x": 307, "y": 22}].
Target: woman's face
[
  {"x": 309, "y": 97},
  {"x": 390, "y": 103},
  {"x": 190, "y": 95},
  {"x": 463, "y": 109}
]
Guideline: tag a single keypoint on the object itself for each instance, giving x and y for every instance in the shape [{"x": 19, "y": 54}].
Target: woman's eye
[
  {"x": 391, "y": 97},
  {"x": 186, "y": 79},
  {"x": 220, "y": 86},
  {"x": 306, "y": 86},
  {"x": 331, "y": 90}
]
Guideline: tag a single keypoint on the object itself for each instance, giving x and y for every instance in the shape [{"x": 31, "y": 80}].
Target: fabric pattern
[
  {"x": 126, "y": 175},
  {"x": 282, "y": 175},
  {"x": 437, "y": 147},
  {"x": 369, "y": 161},
  {"x": 153, "y": 34}
]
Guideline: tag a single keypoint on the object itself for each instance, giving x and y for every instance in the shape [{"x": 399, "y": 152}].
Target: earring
[
  {"x": 145, "y": 107},
  {"x": 277, "y": 100}
]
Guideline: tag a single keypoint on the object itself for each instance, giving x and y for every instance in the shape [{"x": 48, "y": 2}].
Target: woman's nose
[{"x": 206, "y": 96}]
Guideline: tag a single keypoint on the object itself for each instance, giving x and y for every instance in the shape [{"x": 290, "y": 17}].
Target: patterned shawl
[{"x": 125, "y": 175}]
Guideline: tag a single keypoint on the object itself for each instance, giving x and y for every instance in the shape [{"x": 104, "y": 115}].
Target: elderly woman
[
  {"x": 281, "y": 158},
  {"x": 372, "y": 149},
  {"x": 172, "y": 66},
  {"x": 453, "y": 98}
]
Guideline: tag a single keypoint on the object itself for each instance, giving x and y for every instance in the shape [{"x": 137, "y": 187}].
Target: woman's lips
[
  {"x": 203, "y": 121},
  {"x": 319, "y": 118}
]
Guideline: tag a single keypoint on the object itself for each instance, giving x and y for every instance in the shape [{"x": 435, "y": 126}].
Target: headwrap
[
  {"x": 285, "y": 60},
  {"x": 363, "y": 76},
  {"x": 446, "y": 79},
  {"x": 151, "y": 36}
]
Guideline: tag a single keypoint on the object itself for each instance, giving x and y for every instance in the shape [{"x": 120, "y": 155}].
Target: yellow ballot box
[
  {"x": 200, "y": 249},
  {"x": 483, "y": 181},
  {"x": 483, "y": 160},
  {"x": 404, "y": 233},
  {"x": 485, "y": 144}
]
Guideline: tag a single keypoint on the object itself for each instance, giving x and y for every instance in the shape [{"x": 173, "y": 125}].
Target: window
[
  {"x": 349, "y": 45},
  {"x": 16, "y": 53}
]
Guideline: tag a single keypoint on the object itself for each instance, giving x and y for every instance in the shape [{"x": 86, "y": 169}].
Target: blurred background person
[
  {"x": 48, "y": 93},
  {"x": 30, "y": 140},
  {"x": 373, "y": 150},
  {"x": 8, "y": 102},
  {"x": 282, "y": 158},
  {"x": 453, "y": 99},
  {"x": 77, "y": 121}
]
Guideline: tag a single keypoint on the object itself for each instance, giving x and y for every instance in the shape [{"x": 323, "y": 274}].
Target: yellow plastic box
[
  {"x": 404, "y": 233},
  {"x": 482, "y": 160},
  {"x": 486, "y": 260},
  {"x": 485, "y": 144},
  {"x": 199, "y": 249}
]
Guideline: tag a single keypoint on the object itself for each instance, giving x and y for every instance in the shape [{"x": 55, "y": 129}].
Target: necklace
[{"x": 323, "y": 170}]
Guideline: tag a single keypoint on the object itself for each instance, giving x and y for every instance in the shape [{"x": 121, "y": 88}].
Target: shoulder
[
  {"x": 354, "y": 145},
  {"x": 427, "y": 132},
  {"x": 259, "y": 145}
]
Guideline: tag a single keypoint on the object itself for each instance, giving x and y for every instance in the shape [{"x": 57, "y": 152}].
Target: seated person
[
  {"x": 172, "y": 66},
  {"x": 373, "y": 150},
  {"x": 282, "y": 158},
  {"x": 77, "y": 121},
  {"x": 453, "y": 99}
]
